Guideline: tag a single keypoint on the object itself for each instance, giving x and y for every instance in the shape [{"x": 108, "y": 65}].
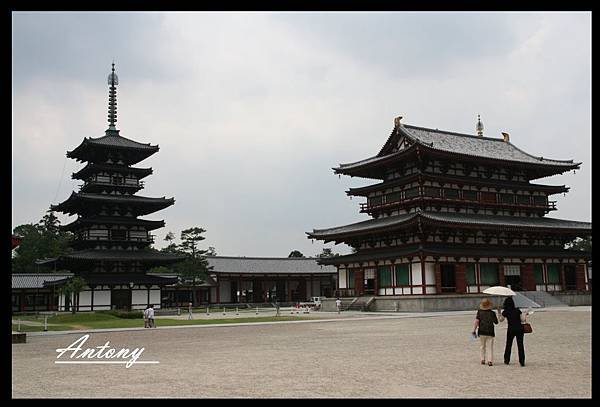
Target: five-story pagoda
[
  {"x": 111, "y": 244},
  {"x": 456, "y": 213}
]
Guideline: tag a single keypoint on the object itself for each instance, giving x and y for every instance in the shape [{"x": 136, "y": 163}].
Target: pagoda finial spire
[
  {"x": 479, "y": 127},
  {"x": 113, "y": 81}
]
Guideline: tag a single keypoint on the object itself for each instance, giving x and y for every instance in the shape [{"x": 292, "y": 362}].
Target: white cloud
[{"x": 251, "y": 110}]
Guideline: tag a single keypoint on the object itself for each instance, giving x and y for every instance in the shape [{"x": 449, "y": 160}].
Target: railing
[
  {"x": 149, "y": 239},
  {"x": 365, "y": 207},
  {"x": 139, "y": 184}
]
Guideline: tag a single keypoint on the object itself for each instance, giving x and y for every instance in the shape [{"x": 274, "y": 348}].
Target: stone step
[{"x": 543, "y": 298}]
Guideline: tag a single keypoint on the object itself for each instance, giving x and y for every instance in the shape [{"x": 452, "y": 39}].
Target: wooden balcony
[{"x": 365, "y": 208}]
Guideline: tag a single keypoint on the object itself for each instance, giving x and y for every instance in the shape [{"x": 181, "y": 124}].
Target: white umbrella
[{"x": 499, "y": 290}]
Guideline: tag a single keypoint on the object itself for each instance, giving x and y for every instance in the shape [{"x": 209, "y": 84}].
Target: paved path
[{"x": 409, "y": 355}]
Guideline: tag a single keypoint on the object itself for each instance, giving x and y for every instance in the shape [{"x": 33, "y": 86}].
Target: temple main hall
[{"x": 456, "y": 213}]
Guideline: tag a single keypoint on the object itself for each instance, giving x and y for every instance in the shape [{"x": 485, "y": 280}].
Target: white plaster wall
[
  {"x": 430, "y": 290},
  {"x": 416, "y": 274},
  {"x": 225, "y": 294},
  {"x": 343, "y": 273},
  {"x": 155, "y": 297},
  {"x": 430, "y": 275},
  {"x": 101, "y": 299},
  {"x": 417, "y": 290},
  {"x": 85, "y": 299},
  {"x": 139, "y": 298}
]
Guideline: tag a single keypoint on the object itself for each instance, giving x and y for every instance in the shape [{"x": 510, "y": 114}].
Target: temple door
[{"x": 358, "y": 282}]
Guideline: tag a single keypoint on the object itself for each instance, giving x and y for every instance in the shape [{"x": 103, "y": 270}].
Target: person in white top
[
  {"x": 149, "y": 317},
  {"x": 338, "y": 304}
]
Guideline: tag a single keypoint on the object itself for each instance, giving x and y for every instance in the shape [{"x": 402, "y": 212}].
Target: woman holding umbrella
[{"x": 515, "y": 329}]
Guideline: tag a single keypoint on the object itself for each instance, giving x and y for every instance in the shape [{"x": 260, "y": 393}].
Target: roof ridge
[{"x": 452, "y": 132}]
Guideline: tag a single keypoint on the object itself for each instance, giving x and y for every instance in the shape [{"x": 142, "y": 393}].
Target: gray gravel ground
[{"x": 428, "y": 356}]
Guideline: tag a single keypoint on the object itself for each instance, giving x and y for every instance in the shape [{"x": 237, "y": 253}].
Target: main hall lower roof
[{"x": 516, "y": 222}]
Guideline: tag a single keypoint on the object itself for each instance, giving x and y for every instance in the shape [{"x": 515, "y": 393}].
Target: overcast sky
[{"x": 252, "y": 110}]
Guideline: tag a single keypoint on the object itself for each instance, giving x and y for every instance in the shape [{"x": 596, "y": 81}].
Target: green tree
[
  {"x": 76, "y": 286},
  {"x": 211, "y": 251},
  {"x": 582, "y": 244},
  {"x": 195, "y": 267},
  {"x": 42, "y": 240},
  {"x": 296, "y": 253},
  {"x": 327, "y": 252},
  {"x": 171, "y": 246}
]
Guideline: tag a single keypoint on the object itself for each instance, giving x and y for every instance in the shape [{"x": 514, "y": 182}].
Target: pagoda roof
[
  {"x": 436, "y": 250},
  {"x": 78, "y": 200},
  {"x": 151, "y": 256},
  {"x": 459, "y": 219},
  {"x": 444, "y": 179},
  {"x": 465, "y": 145},
  {"x": 116, "y": 220},
  {"x": 90, "y": 148},
  {"x": 92, "y": 168}
]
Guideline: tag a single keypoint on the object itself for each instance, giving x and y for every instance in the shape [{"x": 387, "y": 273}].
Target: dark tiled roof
[
  {"x": 92, "y": 168},
  {"x": 516, "y": 221},
  {"x": 113, "y": 139},
  {"x": 364, "y": 226},
  {"x": 122, "y": 255},
  {"x": 115, "y": 220},
  {"x": 270, "y": 265},
  {"x": 36, "y": 280},
  {"x": 79, "y": 197},
  {"x": 462, "y": 251},
  {"x": 458, "y": 143},
  {"x": 454, "y": 218}
]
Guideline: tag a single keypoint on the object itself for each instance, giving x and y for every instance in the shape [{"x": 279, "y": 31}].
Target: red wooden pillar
[
  {"x": 562, "y": 277},
  {"x": 528, "y": 277},
  {"x": 218, "y": 291},
  {"x": 359, "y": 284},
  {"x": 438, "y": 278},
  {"x": 461, "y": 278},
  {"x": 580, "y": 276}
]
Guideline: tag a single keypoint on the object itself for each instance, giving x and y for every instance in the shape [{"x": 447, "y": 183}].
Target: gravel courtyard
[{"x": 424, "y": 356}]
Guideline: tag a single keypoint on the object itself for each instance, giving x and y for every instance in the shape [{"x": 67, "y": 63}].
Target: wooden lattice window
[
  {"x": 393, "y": 197},
  {"x": 539, "y": 273},
  {"x": 451, "y": 193},
  {"x": 523, "y": 199},
  {"x": 384, "y": 276},
  {"x": 411, "y": 193},
  {"x": 432, "y": 192},
  {"x": 470, "y": 195},
  {"x": 402, "y": 274},
  {"x": 507, "y": 198},
  {"x": 489, "y": 273},
  {"x": 488, "y": 197},
  {"x": 376, "y": 200}
]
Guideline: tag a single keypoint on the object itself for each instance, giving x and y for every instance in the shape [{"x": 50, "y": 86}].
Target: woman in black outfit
[{"x": 515, "y": 329}]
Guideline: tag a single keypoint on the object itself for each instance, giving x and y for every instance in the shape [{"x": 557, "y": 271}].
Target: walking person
[
  {"x": 514, "y": 330},
  {"x": 190, "y": 311},
  {"x": 149, "y": 315},
  {"x": 484, "y": 324},
  {"x": 146, "y": 317},
  {"x": 338, "y": 304}
]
